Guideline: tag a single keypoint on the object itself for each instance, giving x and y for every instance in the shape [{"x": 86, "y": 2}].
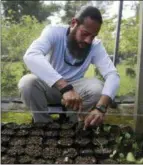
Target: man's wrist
[
  {"x": 101, "y": 108},
  {"x": 60, "y": 84},
  {"x": 66, "y": 89}
]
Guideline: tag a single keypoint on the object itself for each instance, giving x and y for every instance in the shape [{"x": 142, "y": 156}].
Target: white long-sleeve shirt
[{"x": 45, "y": 59}]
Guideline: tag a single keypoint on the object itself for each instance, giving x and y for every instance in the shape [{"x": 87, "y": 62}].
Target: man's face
[{"x": 81, "y": 37}]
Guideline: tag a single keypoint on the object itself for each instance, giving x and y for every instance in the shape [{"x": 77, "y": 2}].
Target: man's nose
[{"x": 88, "y": 40}]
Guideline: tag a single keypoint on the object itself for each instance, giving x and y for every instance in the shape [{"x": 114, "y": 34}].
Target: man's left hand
[{"x": 95, "y": 117}]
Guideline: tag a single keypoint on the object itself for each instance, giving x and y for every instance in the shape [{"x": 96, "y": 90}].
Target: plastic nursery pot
[
  {"x": 85, "y": 160},
  {"x": 70, "y": 153},
  {"x": 65, "y": 142}
]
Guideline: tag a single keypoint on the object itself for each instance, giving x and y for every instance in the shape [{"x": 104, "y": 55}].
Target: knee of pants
[
  {"x": 92, "y": 93},
  {"x": 25, "y": 87},
  {"x": 94, "y": 89}
]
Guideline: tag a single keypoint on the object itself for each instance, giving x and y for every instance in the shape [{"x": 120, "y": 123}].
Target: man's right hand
[{"x": 71, "y": 99}]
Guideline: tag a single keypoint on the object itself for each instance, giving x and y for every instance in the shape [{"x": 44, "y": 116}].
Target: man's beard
[{"x": 74, "y": 49}]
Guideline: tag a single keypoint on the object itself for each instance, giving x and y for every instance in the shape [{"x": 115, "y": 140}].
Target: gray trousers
[{"x": 37, "y": 95}]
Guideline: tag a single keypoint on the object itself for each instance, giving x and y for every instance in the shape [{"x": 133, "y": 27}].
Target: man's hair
[{"x": 89, "y": 11}]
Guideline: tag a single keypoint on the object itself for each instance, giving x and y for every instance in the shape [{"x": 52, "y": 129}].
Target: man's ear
[{"x": 74, "y": 23}]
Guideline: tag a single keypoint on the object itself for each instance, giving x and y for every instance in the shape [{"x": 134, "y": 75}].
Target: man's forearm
[
  {"x": 60, "y": 84},
  {"x": 104, "y": 100}
]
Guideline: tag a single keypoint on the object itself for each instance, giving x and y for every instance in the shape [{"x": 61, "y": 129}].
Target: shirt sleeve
[
  {"x": 107, "y": 69},
  {"x": 35, "y": 60}
]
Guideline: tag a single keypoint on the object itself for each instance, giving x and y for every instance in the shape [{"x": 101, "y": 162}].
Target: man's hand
[
  {"x": 95, "y": 117},
  {"x": 72, "y": 99}
]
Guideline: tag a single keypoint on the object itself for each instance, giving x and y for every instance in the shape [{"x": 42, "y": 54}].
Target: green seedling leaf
[
  {"x": 121, "y": 155},
  {"x": 140, "y": 161},
  {"x": 119, "y": 139},
  {"x": 130, "y": 157},
  {"x": 113, "y": 154},
  {"x": 127, "y": 135},
  {"x": 107, "y": 128}
]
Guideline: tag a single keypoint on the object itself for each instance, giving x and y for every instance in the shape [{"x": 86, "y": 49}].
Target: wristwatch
[{"x": 101, "y": 108}]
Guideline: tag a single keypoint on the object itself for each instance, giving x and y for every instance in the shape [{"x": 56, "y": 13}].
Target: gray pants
[{"x": 37, "y": 95}]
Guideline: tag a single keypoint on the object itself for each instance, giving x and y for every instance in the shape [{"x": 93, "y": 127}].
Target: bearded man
[{"x": 58, "y": 60}]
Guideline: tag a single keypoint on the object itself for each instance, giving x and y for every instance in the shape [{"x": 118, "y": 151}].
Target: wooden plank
[{"x": 139, "y": 87}]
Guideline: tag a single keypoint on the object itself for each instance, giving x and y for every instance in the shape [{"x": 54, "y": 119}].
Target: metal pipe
[{"x": 118, "y": 33}]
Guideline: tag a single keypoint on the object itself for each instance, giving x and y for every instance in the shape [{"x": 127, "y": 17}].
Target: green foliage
[
  {"x": 37, "y": 8},
  {"x": 16, "y": 38},
  {"x": 129, "y": 37},
  {"x": 71, "y": 7}
]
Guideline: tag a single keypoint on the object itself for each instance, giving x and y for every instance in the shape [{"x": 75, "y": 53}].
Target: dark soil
[
  {"x": 8, "y": 131},
  {"x": 3, "y": 149},
  {"x": 22, "y": 132},
  {"x": 108, "y": 161},
  {"x": 40, "y": 125},
  {"x": 38, "y": 161},
  {"x": 65, "y": 142},
  {"x": 34, "y": 140},
  {"x": 100, "y": 141},
  {"x": 51, "y": 153},
  {"x": 38, "y": 143},
  {"x": 16, "y": 150},
  {"x": 24, "y": 159},
  {"x": 18, "y": 141},
  {"x": 13, "y": 126},
  {"x": 85, "y": 160},
  {"x": 63, "y": 160},
  {"x": 33, "y": 150},
  {"x": 82, "y": 142},
  {"x": 5, "y": 140},
  {"x": 67, "y": 126},
  {"x": 102, "y": 152},
  {"x": 70, "y": 152},
  {"x": 86, "y": 152},
  {"x": 37, "y": 132},
  {"x": 7, "y": 159},
  {"x": 51, "y": 142},
  {"x": 52, "y": 133},
  {"x": 67, "y": 133},
  {"x": 26, "y": 126},
  {"x": 53, "y": 126}
]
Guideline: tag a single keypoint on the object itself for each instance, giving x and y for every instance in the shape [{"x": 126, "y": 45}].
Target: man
[{"x": 58, "y": 60}]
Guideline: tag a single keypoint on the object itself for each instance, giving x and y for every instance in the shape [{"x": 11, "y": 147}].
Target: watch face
[{"x": 101, "y": 108}]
